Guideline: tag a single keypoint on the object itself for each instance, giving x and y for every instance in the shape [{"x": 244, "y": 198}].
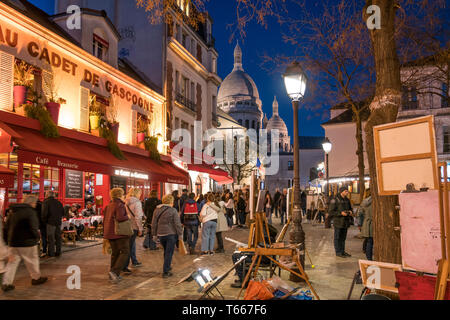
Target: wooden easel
[
  {"x": 255, "y": 236},
  {"x": 443, "y": 270}
]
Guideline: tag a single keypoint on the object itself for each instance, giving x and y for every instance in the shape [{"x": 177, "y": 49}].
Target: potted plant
[
  {"x": 112, "y": 117},
  {"x": 22, "y": 74},
  {"x": 142, "y": 129},
  {"x": 95, "y": 113},
  {"x": 34, "y": 110},
  {"x": 54, "y": 102}
]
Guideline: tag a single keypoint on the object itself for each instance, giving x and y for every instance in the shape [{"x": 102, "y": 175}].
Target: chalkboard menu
[
  {"x": 117, "y": 182},
  {"x": 74, "y": 184}
]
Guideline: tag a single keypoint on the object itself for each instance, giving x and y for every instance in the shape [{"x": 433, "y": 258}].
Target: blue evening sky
[{"x": 258, "y": 41}]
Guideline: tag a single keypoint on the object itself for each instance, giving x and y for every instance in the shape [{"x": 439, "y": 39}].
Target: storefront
[{"x": 76, "y": 166}]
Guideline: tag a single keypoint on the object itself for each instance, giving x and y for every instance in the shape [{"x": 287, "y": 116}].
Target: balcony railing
[{"x": 186, "y": 102}]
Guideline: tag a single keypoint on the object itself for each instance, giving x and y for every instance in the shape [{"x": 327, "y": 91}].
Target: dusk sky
[{"x": 258, "y": 41}]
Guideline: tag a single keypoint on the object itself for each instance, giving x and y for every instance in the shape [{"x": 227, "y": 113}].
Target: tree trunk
[
  {"x": 384, "y": 109},
  {"x": 360, "y": 154}
]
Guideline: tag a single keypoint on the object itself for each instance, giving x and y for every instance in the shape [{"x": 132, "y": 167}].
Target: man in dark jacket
[
  {"x": 340, "y": 212},
  {"x": 176, "y": 201},
  {"x": 283, "y": 206},
  {"x": 276, "y": 202},
  {"x": 149, "y": 207},
  {"x": 183, "y": 198},
  {"x": 52, "y": 214},
  {"x": 22, "y": 237},
  {"x": 303, "y": 202},
  {"x": 189, "y": 218}
]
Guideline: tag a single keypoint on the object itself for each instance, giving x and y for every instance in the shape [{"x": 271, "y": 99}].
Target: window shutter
[
  {"x": 133, "y": 127},
  {"x": 84, "y": 109},
  {"x": 6, "y": 80},
  {"x": 47, "y": 82}
]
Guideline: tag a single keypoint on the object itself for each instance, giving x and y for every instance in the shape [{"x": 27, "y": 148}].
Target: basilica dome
[
  {"x": 276, "y": 122},
  {"x": 239, "y": 97}
]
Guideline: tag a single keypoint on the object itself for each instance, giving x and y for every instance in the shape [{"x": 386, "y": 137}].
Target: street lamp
[
  {"x": 326, "y": 145},
  {"x": 295, "y": 82}
]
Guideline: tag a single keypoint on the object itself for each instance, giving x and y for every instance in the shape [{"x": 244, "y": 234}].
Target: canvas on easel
[{"x": 405, "y": 152}]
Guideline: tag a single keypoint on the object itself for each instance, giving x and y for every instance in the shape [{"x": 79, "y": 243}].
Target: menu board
[{"x": 74, "y": 184}]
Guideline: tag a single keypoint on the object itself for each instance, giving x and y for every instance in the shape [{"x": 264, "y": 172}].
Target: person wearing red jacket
[{"x": 120, "y": 245}]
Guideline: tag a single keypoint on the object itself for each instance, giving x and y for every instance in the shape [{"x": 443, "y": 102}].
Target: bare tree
[{"x": 331, "y": 42}]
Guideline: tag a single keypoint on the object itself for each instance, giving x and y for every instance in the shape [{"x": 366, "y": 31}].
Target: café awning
[
  {"x": 221, "y": 180},
  {"x": 6, "y": 178},
  {"x": 78, "y": 151},
  {"x": 198, "y": 164}
]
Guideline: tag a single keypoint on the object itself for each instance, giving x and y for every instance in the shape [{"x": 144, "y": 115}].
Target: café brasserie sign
[{"x": 11, "y": 38}]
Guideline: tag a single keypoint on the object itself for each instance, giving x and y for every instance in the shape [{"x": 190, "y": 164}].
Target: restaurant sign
[
  {"x": 61, "y": 162},
  {"x": 130, "y": 174}
]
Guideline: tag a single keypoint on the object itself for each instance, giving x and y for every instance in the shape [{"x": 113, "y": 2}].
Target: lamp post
[
  {"x": 295, "y": 82},
  {"x": 326, "y": 145}
]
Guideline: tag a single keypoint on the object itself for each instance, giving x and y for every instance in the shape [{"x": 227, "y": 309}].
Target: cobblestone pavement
[{"x": 331, "y": 276}]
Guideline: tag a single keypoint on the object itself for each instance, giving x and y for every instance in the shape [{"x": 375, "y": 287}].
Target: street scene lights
[
  {"x": 326, "y": 145},
  {"x": 295, "y": 82}
]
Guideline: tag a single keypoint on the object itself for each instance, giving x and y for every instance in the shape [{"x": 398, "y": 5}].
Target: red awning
[
  {"x": 6, "y": 178},
  {"x": 69, "y": 153},
  {"x": 207, "y": 168},
  {"x": 221, "y": 179}
]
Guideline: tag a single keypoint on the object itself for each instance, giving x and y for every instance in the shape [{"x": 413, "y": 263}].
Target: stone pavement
[{"x": 331, "y": 276}]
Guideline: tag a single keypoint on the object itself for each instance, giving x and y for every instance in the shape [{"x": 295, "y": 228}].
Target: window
[
  {"x": 31, "y": 179},
  {"x": 6, "y": 80},
  {"x": 253, "y": 124},
  {"x": 247, "y": 124},
  {"x": 409, "y": 99},
  {"x": 177, "y": 82},
  {"x": 192, "y": 98},
  {"x": 240, "y": 122},
  {"x": 100, "y": 47},
  {"x": 290, "y": 165},
  {"x": 51, "y": 179},
  {"x": 214, "y": 65},
  {"x": 446, "y": 133},
  {"x": 445, "y": 98},
  {"x": 184, "y": 40}
]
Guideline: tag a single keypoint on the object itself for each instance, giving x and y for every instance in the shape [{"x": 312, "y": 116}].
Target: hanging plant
[
  {"x": 107, "y": 133},
  {"x": 151, "y": 144},
  {"x": 35, "y": 110}
]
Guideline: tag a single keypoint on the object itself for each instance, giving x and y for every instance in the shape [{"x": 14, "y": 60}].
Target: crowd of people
[{"x": 165, "y": 223}]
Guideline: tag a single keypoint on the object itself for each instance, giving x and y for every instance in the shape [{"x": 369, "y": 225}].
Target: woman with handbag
[
  {"x": 167, "y": 226},
  {"x": 208, "y": 218},
  {"x": 117, "y": 230},
  {"x": 133, "y": 206}
]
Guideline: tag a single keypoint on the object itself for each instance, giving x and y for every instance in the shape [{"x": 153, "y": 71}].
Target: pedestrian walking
[
  {"x": 166, "y": 226},
  {"x": 340, "y": 212},
  {"x": 283, "y": 206},
  {"x": 149, "y": 208},
  {"x": 276, "y": 202},
  {"x": 115, "y": 212},
  {"x": 133, "y": 206},
  {"x": 367, "y": 225},
  {"x": 189, "y": 219},
  {"x": 21, "y": 234},
  {"x": 321, "y": 209},
  {"x": 268, "y": 207},
  {"x": 303, "y": 201},
  {"x": 208, "y": 218},
  {"x": 52, "y": 215},
  {"x": 229, "y": 206},
  {"x": 241, "y": 205}
]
